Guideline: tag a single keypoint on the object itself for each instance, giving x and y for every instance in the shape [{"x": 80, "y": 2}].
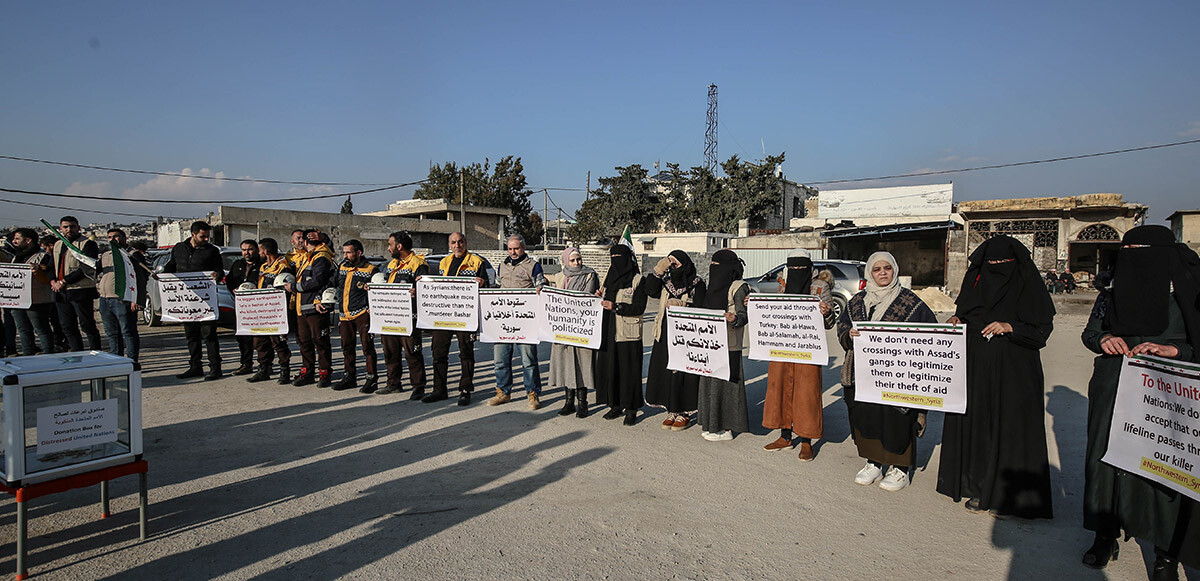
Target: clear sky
[{"x": 375, "y": 92}]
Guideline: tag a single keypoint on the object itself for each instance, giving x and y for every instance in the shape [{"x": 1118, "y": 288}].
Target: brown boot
[
  {"x": 501, "y": 398},
  {"x": 534, "y": 402}
]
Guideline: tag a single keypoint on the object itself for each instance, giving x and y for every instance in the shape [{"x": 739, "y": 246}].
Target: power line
[
  {"x": 237, "y": 201},
  {"x": 1003, "y": 165},
  {"x": 182, "y": 175},
  {"x": 89, "y": 211}
]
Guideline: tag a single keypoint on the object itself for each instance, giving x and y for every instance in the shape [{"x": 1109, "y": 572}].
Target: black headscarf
[
  {"x": 682, "y": 275},
  {"x": 799, "y": 275},
  {"x": 1142, "y": 280},
  {"x": 726, "y": 269},
  {"x": 622, "y": 268},
  {"x": 1006, "y": 292}
]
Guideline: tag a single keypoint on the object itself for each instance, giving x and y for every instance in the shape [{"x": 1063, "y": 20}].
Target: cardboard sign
[
  {"x": 571, "y": 318},
  {"x": 188, "y": 297},
  {"x": 448, "y": 303},
  {"x": 76, "y": 425},
  {"x": 391, "y": 308},
  {"x": 16, "y": 285},
  {"x": 1155, "y": 431},
  {"x": 698, "y": 342},
  {"x": 510, "y": 315},
  {"x": 911, "y": 365},
  {"x": 787, "y": 328},
  {"x": 261, "y": 311}
]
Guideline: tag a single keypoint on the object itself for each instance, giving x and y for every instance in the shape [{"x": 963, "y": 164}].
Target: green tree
[
  {"x": 348, "y": 206},
  {"x": 624, "y": 199},
  {"x": 502, "y": 186},
  {"x": 536, "y": 230},
  {"x": 753, "y": 188}
]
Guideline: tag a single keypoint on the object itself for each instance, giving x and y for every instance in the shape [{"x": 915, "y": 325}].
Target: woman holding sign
[
  {"x": 1151, "y": 309},
  {"x": 572, "y": 367},
  {"x": 674, "y": 283},
  {"x": 723, "y": 403},
  {"x": 884, "y": 435},
  {"x": 994, "y": 455},
  {"x": 619, "y": 377}
]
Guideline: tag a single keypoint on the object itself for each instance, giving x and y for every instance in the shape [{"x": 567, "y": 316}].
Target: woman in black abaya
[
  {"x": 619, "y": 360},
  {"x": 994, "y": 455},
  {"x": 673, "y": 283}
]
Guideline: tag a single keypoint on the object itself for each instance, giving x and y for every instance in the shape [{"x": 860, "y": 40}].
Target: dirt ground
[{"x": 279, "y": 482}]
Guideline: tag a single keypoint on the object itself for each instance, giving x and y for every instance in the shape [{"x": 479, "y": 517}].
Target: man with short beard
[{"x": 405, "y": 267}]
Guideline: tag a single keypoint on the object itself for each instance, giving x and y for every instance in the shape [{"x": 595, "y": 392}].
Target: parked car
[
  {"x": 849, "y": 277},
  {"x": 152, "y": 313}
]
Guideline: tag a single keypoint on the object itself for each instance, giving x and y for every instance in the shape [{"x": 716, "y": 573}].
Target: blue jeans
[
  {"x": 35, "y": 321},
  {"x": 120, "y": 324},
  {"x": 502, "y": 363}
]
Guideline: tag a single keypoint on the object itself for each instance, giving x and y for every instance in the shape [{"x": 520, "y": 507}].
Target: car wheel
[
  {"x": 839, "y": 305},
  {"x": 149, "y": 316}
]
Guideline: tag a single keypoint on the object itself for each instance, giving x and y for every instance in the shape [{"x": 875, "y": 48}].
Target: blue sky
[{"x": 373, "y": 92}]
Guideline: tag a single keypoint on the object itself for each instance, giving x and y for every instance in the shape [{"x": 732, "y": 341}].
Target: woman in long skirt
[
  {"x": 723, "y": 403},
  {"x": 673, "y": 283},
  {"x": 570, "y": 366},
  {"x": 619, "y": 361}
]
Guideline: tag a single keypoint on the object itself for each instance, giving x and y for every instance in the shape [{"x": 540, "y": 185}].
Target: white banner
[
  {"x": 261, "y": 311},
  {"x": 571, "y": 318},
  {"x": 76, "y": 425},
  {"x": 787, "y": 328},
  {"x": 1155, "y": 429},
  {"x": 510, "y": 315},
  {"x": 911, "y": 365},
  {"x": 391, "y": 308},
  {"x": 16, "y": 285},
  {"x": 448, "y": 303},
  {"x": 188, "y": 297},
  {"x": 699, "y": 342}
]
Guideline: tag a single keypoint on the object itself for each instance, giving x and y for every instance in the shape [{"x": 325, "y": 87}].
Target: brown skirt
[
  {"x": 794, "y": 399},
  {"x": 874, "y": 451}
]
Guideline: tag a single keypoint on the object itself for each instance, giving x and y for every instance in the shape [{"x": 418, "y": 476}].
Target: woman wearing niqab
[
  {"x": 1150, "y": 308},
  {"x": 674, "y": 283},
  {"x": 994, "y": 455},
  {"x": 723, "y": 409},
  {"x": 619, "y": 360}
]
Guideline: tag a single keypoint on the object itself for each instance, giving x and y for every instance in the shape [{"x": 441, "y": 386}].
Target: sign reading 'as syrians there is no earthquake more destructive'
[
  {"x": 1155, "y": 429},
  {"x": 448, "y": 303},
  {"x": 391, "y": 308},
  {"x": 787, "y": 328},
  {"x": 571, "y": 318},
  {"x": 510, "y": 315},
  {"x": 911, "y": 365},
  {"x": 698, "y": 342}
]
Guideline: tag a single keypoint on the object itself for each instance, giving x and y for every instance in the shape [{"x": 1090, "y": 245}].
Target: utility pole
[
  {"x": 462, "y": 203},
  {"x": 710, "y": 134},
  {"x": 587, "y": 193},
  {"x": 559, "y": 226},
  {"x": 545, "y": 215}
]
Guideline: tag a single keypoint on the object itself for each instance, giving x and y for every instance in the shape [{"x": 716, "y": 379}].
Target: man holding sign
[
  {"x": 404, "y": 267},
  {"x": 35, "y": 320},
  {"x": 460, "y": 263},
  {"x": 74, "y": 288},
  {"x": 197, "y": 254},
  {"x": 519, "y": 270}
]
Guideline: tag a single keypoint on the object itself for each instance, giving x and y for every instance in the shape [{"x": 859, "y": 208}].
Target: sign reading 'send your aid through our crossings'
[{"x": 787, "y": 328}]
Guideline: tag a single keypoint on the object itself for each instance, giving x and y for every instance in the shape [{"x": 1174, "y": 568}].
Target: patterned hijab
[{"x": 879, "y": 298}]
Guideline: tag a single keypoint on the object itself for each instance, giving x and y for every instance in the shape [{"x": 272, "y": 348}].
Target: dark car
[{"x": 849, "y": 277}]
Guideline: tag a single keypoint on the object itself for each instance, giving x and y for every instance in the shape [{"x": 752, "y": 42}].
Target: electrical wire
[
  {"x": 235, "y": 201},
  {"x": 89, "y": 211},
  {"x": 182, "y": 175}
]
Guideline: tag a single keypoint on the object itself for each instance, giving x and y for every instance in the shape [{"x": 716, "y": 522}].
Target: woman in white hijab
[{"x": 884, "y": 435}]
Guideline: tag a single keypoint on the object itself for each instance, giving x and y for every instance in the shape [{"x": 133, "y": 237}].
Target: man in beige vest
[
  {"x": 519, "y": 270},
  {"x": 74, "y": 289}
]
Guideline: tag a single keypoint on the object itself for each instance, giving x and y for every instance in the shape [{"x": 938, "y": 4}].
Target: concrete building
[
  {"x": 1186, "y": 226},
  {"x": 485, "y": 227},
  {"x": 662, "y": 243}
]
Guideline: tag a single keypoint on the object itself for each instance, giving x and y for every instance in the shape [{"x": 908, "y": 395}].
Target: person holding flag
[
  {"x": 74, "y": 290},
  {"x": 122, "y": 287}
]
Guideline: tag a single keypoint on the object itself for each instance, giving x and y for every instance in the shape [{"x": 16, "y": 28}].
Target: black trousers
[
  {"x": 74, "y": 315},
  {"x": 360, "y": 326},
  {"x": 396, "y": 347},
  {"x": 441, "y": 360},
  {"x": 206, "y": 333},
  {"x": 245, "y": 349},
  {"x": 312, "y": 333},
  {"x": 270, "y": 346}
]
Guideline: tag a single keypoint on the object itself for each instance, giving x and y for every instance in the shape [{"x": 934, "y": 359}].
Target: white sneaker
[
  {"x": 717, "y": 436},
  {"x": 706, "y": 435},
  {"x": 870, "y": 474},
  {"x": 896, "y": 479}
]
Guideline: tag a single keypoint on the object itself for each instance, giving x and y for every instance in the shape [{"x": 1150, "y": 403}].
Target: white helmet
[
  {"x": 284, "y": 278},
  {"x": 329, "y": 296},
  {"x": 379, "y": 278},
  {"x": 245, "y": 286}
]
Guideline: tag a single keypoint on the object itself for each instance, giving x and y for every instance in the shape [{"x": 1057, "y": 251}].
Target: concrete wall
[
  {"x": 956, "y": 260},
  {"x": 1186, "y": 228},
  {"x": 239, "y": 223},
  {"x": 691, "y": 242}
]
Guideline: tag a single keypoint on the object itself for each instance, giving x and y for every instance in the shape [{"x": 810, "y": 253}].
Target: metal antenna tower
[{"x": 710, "y": 134}]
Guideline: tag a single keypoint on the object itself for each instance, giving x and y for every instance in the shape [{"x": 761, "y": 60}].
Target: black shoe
[
  {"x": 214, "y": 374},
  {"x": 613, "y": 413},
  {"x": 245, "y": 369},
  {"x": 418, "y": 394},
  {"x": 436, "y": 395},
  {"x": 1165, "y": 568},
  {"x": 347, "y": 382},
  {"x": 323, "y": 380},
  {"x": 581, "y": 408},
  {"x": 190, "y": 373},
  {"x": 973, "y": 505},
  {"x": 1103, "y": 550},
  {"x": 304, "y": 379},
  {"x": 630, "y": 418},
  {"x": 569, "y": 406},
  {"x": 464, "y": 398},
  {"x": 388, "y": 390},
  {"x": 371, "y": 385},
  {"x": 262, "y": 375},
  {"x": 285, "y": 375}
]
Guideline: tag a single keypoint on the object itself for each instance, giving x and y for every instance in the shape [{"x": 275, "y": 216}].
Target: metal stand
[{"x": 101, "y": 477}]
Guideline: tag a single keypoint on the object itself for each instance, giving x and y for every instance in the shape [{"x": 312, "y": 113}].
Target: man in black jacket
[
  {"x": 197, "y": 254},
  {"x": 313, "y": 275},
  {"x": 243, "y": 270}
]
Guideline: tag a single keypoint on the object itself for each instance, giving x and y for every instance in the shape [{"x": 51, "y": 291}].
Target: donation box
[{"x": 68, "y": 413}]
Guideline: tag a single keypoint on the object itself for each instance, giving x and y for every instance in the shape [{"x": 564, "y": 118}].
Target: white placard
[
  {"x": 448, "y": 303},
  {"x": 911, "y": 365},
  {"x": 1155, "y": 431},
  {"x": 76, "y": 425},
  {"x": 699, "y": 342},
  {"x": 16, "y": 285},
  {"x": 261, "y": 311},
  {"x": 571, "y": 318},
  {"x": 391, "y": 308},
  {"x": 787, "y": 328},
  {"x": 510, "y": 315},
  {"x": 188, "y": 297}
]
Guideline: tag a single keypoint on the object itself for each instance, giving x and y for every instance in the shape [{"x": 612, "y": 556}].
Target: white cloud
[{"x": 1193, "y": 130}]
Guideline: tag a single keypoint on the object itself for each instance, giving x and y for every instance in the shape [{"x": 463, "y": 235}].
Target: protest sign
[
  {"x": 911, "y": 365},
  {"x": 261, "y": 312},
  {"x": 448, "y": 303},
  {"x": 510, "y": 315},
  {"x": 699, "y": 342},
  {"x": 1155, "y": 432},
  {"x": 571, "y": 318},
  {"x": 787, "y": 328},
  {"x": 391, "y": 308},
  {"x": 16, "y": 285},
  {"x": 188, "y": 297}
]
